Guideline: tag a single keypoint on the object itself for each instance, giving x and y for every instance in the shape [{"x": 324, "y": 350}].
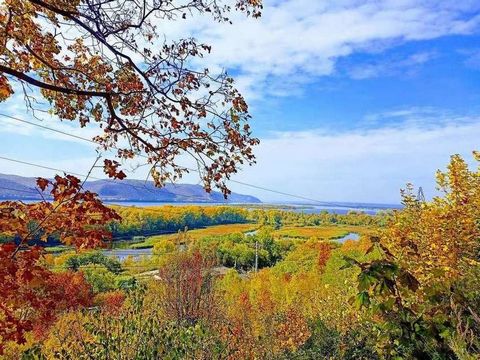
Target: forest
[{"x": 272, "y": 284}]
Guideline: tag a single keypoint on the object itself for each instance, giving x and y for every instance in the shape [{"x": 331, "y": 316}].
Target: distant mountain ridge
[{"x": 19, "y": 187}]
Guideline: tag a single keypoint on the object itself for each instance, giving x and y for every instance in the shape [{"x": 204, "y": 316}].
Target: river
[
  {"x": 331, "y": 207},
  {"x": 350, "y": 236},
  {"x": 122, "y": 254}
]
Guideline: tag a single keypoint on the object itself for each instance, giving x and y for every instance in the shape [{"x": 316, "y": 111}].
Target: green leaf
[
  {"x": 362, "y": 299},
  {"x": 365, "y": 281},
  {"x": 350, "y": 262}
]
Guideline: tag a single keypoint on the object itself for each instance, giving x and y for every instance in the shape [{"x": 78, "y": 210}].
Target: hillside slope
[{"x": 18, "y": 187}]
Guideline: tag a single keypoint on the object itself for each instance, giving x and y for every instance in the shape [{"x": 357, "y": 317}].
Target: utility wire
[
  {"x": 47, "y": 128},
  {"x": 80, "y": 138},
  {"x": 46, "y": 167},
  {"x": 19, "y": 190},
  {"x": 141, "y": 155},
  {"x": 82, "y": 175}
]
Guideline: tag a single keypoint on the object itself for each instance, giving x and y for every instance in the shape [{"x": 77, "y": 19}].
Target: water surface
[{"x": 350, "y": 236}]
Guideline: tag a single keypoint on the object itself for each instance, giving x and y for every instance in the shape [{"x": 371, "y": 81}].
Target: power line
[
  {"x": 46, "y": 167},
  {"x": 82, "y": 175},
  {"x": 19, "y": 190},
  {"x": 73, "y": 173},
  {"x": 47, "y": 128},
  {"x": 141, "y": 155},
  {"x": 276, "y": 191},
  {"x": 80, "y": 138},
  {"x": 64, "y": 171}
]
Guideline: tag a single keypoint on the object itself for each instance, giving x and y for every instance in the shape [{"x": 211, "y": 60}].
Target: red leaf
[
  {"x": 111, "y": 169},
  {"x": 42, "y": 183}
]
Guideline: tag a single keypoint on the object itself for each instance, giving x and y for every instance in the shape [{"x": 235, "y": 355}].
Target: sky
[{"x": 351, "y": 99}]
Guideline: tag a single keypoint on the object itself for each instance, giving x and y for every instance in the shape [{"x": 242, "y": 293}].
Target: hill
[{"x": 15, "y": 187}]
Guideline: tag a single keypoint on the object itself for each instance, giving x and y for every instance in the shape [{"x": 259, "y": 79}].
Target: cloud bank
[
  {"x": 368, "y": 164},
  {"x": 297, "y": 40},
  {"x": 365, "y": 165}
]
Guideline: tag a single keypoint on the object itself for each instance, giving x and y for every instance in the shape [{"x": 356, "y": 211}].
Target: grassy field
[
  {"x": 199, "y": 233},
  {"x": 57, "y": 249},
  {"x": 327, "y": 232}
]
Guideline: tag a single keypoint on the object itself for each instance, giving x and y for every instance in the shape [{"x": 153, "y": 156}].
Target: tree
[
  {"x": 424, "y": 286},
  {"x": 163, "y": 247},
  {"x": 33, "y": 296},
  {"x": 187, "y": 281},
  {"x": 324, "y": 252},
  {"x": 76, "y": 217},
  {"x": 99, "y": 277},
  {"x": 74, "y": 262},
  {"x": 114, "y": 69}
]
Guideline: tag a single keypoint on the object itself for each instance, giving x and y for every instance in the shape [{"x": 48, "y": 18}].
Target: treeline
[
  {"x": 153, "y": 220},
  {"x": 278, "y": 218},
  {"x": 165, "y": 219}
]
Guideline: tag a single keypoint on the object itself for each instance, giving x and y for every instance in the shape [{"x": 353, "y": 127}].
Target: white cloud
[
  {"x": 295, "y": 41},
  {"x": 406, "y": 66},
  {"x": 362, "y": 165},
  {"x": 15, "y": 108},
  {"x": 369, "y": 164},
  {"x": 300, "y": 39},
  {"x": 472, "y": 58}
]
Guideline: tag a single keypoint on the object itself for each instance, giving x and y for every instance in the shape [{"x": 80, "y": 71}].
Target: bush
[
  {"x": 324, "y": 343},
  {"x": 97, "y": 258},
  {"x": 101, "y": 278},
  {"x": 163, "y": 247}
]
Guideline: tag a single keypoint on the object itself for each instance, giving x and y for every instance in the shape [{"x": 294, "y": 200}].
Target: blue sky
[
  {"x": 351, "y": 99},
  {"x": 449, "y": 79}
]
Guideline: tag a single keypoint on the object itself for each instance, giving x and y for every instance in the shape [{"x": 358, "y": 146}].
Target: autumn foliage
[
  {"x": 74, "y": 216},
  {"x": 32, "y": 296},
  {"x": 424, "y": 287},
  {"x": 115, "y": 69},
  {"x": 187, "y": 288},
  {"x": 407, "y": 289},
  {"x": 111, "y": 302}
]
